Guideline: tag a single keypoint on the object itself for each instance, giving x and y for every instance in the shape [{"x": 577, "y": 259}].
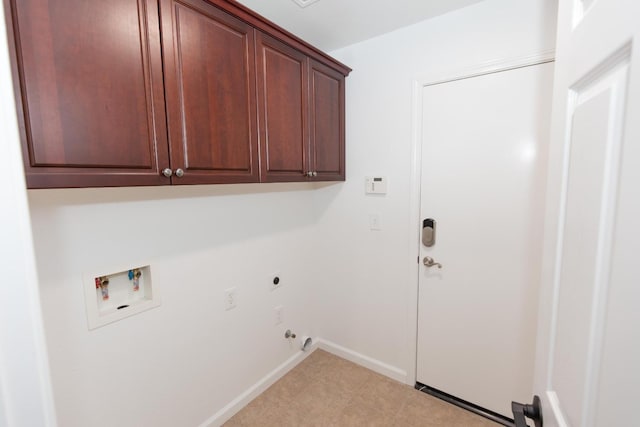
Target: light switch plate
[{"x": 374, "y": 222}]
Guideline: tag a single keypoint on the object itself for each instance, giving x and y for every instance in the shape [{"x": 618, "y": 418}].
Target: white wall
[
  {"x": 176, "y": 365},
  {"x": 25, "y": 389},
  {"x": 366, "y": 275}
]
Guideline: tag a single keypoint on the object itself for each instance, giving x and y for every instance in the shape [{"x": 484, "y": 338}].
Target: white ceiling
[{"x": 332, "y": 24}]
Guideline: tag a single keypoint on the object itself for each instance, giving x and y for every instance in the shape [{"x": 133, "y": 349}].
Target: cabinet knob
[
  {"x": 179, "y": 173},
  {"x": 314, "y": 173},
  {"x": 309, "y": 174},
  {"x": 167, "y": 172}
]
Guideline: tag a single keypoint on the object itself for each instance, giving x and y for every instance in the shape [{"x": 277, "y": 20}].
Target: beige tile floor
[{"x": 326, "y": 390}]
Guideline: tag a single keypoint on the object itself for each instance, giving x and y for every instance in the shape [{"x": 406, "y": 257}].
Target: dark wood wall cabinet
[{"x": 159, "y": 92}]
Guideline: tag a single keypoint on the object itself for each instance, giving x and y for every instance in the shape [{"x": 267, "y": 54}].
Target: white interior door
[
  {"x": 484, "y": 151},
  {"x": 589, "y": 344}
]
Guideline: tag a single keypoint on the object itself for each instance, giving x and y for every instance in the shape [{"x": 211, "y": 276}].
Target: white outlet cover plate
[
  {"x": 279, "y": 314},
  {"x": 230, "y": 298}
]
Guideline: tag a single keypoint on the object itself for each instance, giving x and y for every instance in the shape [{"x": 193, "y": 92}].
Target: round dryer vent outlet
[{"x": 306, "y": 343}]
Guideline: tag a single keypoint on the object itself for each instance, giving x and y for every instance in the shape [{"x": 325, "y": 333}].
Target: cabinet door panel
[
  {"x": 327, "y": 123},
  {"x": 90, "y": 76},
  {"x": 209, "y": 59},
  {"x": 283, "y": 94}
]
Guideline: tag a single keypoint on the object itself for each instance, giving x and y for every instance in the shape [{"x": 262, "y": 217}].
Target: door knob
[{"x": 429, "y": 262}]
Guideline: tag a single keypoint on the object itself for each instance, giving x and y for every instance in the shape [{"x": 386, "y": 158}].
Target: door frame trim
[{"x": 415, "y": 166}]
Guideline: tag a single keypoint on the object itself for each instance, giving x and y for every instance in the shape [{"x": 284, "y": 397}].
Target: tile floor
[{"x": 327, "y": 391}]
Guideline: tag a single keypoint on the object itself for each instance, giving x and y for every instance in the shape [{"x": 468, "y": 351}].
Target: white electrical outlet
[
  {"x": 279, "y": 314},
  {"x": 230, "y": 298},
  {"x": 275, "y": 280}
]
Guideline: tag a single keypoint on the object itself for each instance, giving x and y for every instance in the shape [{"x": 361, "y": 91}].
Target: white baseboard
[
  {"x": 268, "y": 380},
  {"x": 362, "y": 360},
  {"x": 224, "y": 414}
]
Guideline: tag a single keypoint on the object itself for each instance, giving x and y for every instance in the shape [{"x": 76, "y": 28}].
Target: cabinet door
[
  {"x": 327, "y": 123},
  {"x": 282, "y": 105},
  {"x": 89, "y": 84},
  {"x": 211, "y": 98}
]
